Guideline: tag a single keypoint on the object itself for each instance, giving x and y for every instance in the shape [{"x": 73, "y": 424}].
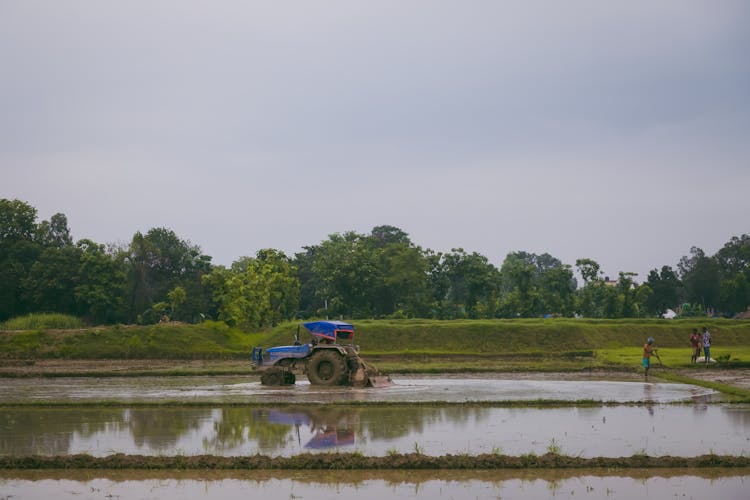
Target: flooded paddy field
[
  {"x": 412, "y": 389},
  {"x": 377, "y": 430},
  {"x": 656, "y": 484}
]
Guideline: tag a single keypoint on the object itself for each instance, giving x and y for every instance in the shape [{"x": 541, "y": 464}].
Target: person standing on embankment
[
  {"x": 706, "y": 344},
  {"x": 648, "y": 349},
  {"x": 695, "y": 342}
]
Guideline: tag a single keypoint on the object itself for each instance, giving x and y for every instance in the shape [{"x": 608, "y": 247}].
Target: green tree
[
  {"x": 159, "y": 261},
  {"x": 384, "y": 236},
  {"x": 347, "y": 271},
  {"x": 734, "y": 257},
  {"x": 558, "y": 286},
  {"x": 627, "y": 297},
  {"x": 403, "y": 283},
  {"x": 283, "y": 285},
  {"x": 400, "y": 281},
  {"x": 176, "y": 298},
  {"x": 54, "y": 232},
  {"x": 18, "y": 252},
  {"x": 377, "y": 275},
  {"x": 734, "y": 293},
  {"x": 700, "y": 276},
  {"x": 471, "y": 284},
  {"x": 312, "y": 299},
  {"x": 589, "y": 269},
  {"x": 733, "y": 261},
  {"x": 536, "y": 285},
  {"x": 591, "y": 300},
  {"x": 49, "y": 285},
  {"x": 17, "y": 221},
  {"x": 520, "y": 278},
  {"x": 100, "y": 284},
  {"x": 255, "y": 292},
  {"x": 666, "y": 288}
]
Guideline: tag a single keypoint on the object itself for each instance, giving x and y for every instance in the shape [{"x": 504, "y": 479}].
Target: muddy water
[
  {"x": 682, "y": 430},
  {"x": 225, "y": 389},
  {"x": 414, "y": 484}
]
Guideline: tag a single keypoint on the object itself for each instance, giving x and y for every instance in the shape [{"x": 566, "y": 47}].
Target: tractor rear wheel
[{"x": 327, "y": 367}]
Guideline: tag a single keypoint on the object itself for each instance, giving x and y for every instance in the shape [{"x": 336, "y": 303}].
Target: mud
[
  {"x": 238, "y": 389},
  {"x": 736, "y": 378},
  {"x": 355, "y": 461},
  {"x": 354, "y": 477}
]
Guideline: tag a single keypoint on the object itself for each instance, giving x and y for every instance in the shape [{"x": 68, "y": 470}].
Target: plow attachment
[{"x": 366, "y": 375}]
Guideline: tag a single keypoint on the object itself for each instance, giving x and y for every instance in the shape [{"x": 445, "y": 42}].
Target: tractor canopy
[{"x": 331, "y": 330}]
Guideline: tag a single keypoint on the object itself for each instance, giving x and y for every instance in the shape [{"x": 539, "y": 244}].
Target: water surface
[
  {"x": 681, "y": 430},
  {"x": 234, "y": 389},
  {"x": 529, "y": 485}
]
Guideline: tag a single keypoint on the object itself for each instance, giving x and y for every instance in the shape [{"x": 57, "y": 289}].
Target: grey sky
[{"x": 618, "y": 131}]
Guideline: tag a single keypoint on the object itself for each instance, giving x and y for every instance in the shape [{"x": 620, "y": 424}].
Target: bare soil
[
  {"x": 736, "y": 378},
  {"x": 353, "y": 461}
]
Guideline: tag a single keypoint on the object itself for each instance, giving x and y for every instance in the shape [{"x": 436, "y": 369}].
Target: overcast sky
[{"x": 618, "y": 131}]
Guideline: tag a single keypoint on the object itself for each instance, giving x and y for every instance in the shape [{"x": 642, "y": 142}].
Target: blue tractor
[{"x": 329, "y": 359}]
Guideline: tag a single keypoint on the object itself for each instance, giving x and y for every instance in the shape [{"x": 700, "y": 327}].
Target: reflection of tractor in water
[
  {"x": 330, "y": 428},
  {"x": 325, "y": 359}
]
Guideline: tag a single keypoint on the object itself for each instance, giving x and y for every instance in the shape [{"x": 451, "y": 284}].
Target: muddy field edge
[{"x": 356, "y": 461}]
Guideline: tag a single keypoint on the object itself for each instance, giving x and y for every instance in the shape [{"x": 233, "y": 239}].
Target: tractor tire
[
  {"x": 272, "y": 376},
  {"x": 327, "y": 367}
]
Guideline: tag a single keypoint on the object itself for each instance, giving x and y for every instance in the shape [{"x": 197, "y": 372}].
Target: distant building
[{"x": 609, "y": 282}]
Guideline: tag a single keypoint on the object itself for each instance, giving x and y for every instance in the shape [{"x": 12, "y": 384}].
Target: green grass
[
  {"x": 42, "y": 322},
  {"x": 209, "y": 340},
  {"x": 410, "y": 363},
  {"x": 522, "y": 344},
  {"x": 676, "y": 357},
  {"x": 534, "y": 335}
]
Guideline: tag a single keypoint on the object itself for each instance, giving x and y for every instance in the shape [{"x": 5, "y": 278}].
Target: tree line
[{"x": 377, "y": 275}]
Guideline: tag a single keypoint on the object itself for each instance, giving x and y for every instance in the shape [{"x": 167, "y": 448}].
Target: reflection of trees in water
[
  {"x": 49, "y": 431},
  {"x": 238, "y": 426},
  {"x": 162, "y": 428},
  {"x": 275, "y": 429},
  {"x": 391, "y": 422}
]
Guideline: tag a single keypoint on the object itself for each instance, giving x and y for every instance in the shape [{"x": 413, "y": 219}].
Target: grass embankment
[
  {"x": 405, "y": 346},
  {"x": 534, "y": 344},
  {"x": 209, "y": 340},
  {"x": 356, "y": 461}
]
